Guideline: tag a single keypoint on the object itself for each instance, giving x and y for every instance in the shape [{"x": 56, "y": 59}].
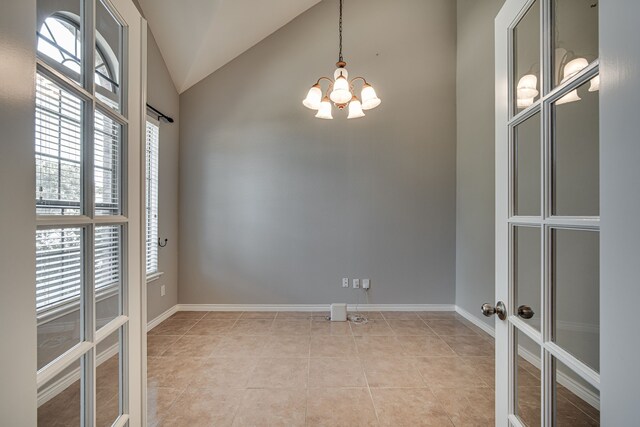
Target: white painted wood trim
[
  {"x": 476, "y": 321},
  {"x": 57, "y": 387},
  {"x": 313, "y": 307},
  {"x": 161, "y": 318}
]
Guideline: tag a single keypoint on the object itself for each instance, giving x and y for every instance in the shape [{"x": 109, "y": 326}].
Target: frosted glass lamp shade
[
  {"x": 524, "y": 102},
  {"x": 527, "y": 87},
  {"x": 355, "y": 109},
  {"x": 573, "y": 67},
  {"x": 340, "y": 93},
  {"x": 594, "y": 85},
  {"x": 570, "y": 97},
  {"x": 369, "y": 98},
  {"x": 324, "y": 112},
  {"x": 314, "y": 96}
]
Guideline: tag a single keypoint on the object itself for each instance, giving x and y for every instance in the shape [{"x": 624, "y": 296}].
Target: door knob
[
  {"x": 525, "y": 312},
  {"x": 500, "y": 309}
]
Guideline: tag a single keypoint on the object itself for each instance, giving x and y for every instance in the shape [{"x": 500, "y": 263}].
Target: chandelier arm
[{"x": 351, "y": 84}]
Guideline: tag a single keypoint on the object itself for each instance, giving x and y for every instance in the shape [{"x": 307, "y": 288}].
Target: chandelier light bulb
[
  {"x": 570, "y": 97},
  {"x": 355, "y": 108},
  {"x": 324, "y": 112},
  {"x": 369, "y": 98},
  {"x": 312, "y": 101},
  {"x": 340, "y": 93}
]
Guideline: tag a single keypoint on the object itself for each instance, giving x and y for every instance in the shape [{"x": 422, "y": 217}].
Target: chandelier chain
[{"x": 340, "y": 33}]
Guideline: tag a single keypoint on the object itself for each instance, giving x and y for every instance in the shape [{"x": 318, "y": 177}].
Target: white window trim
[{"x": 152, "y": 277}]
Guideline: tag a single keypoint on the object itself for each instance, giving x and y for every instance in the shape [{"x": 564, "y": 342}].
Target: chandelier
[{"x": 341, "y": 91}]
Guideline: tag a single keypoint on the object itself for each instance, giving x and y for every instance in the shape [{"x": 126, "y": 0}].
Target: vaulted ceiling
[{"x": 196, "y": 37}]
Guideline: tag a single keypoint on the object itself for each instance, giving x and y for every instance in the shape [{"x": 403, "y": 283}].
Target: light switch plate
[
  {"x": 345, "y": 282},
  {"x": 356, "y": 283}
]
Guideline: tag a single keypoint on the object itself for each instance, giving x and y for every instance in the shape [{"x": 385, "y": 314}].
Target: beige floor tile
[
  {"x": 483, "y": 367},
  {"x": 252, "y": 327},
  {"x": 286, "y": 346},
  {"x": 428, "y": 345},
  {"x": 280, "y": 373},
  {"x": 240, "y": 346},
  {"x": 320, "y": 314},
  {"x": 173, "y": 327},
  {"x": 409, "y": 327},
  {"x": 157, "y": 344},
  {"x": 333, "y": 346},
  {"x": 211, "y": 327},
  {"x": 400, "y": 315},
  {"x": 273, "y": 408},
  {"x": 268, "y": 315},
  {"x": 370, "y": 315},
  {"x": 107, "y": 375},
  {"x": 340, "y": 407},
  {"x": 429, "y": 315},
  {"x": 63, "y": 409},
  {"x": 372, "y": 328},
  {"x": 224, "y": 372},
  {"x": 528, "y": 405},
  {"x": 228, "y": 315},
  {"x": 392, "y": 372},
  {"x": 194, "y": 346},
  {"x": 159, "y": 400},
  {"x": 196, "y": 315},
  {"x": 579, "y": 403},
  {"x": 336, "y": 372},
  {"x": 468, "y": 406},
  {"x": 175, "y": 372},
  {"x": 408, "y": 407},
  {"x": 467, "y": 345},
  {"x": 294, "y": 315},
  {"x": 204, "y": 407},
  {"x": 291, "y": 327},
  {"x": 107, "y": 409},
  {"x": 447, "y": 372},
  {"x": 449, "y": 327},
  {"x": 374, "y": 346},
  {"x": 326, "y": 327}
]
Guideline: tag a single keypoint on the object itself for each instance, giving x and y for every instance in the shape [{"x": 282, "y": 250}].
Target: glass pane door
[
  {"x": 547, "y": 150},
  {"x": 88, "y": 230}
]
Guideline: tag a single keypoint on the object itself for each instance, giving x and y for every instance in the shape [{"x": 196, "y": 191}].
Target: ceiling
[{"x": 199, "y": 36}]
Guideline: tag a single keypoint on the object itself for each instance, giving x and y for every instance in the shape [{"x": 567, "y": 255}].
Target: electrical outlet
[
  {"x": 356, "y": 283},
  {"x": 163, "y": 290},
  {"x": 345, "y": 282},
  {"x": 366, "y": 283}
]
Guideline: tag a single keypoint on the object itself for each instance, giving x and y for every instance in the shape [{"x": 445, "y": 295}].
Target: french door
[
  {"x": 89, "y": 270},
  {"x": 547, "y": 213}
]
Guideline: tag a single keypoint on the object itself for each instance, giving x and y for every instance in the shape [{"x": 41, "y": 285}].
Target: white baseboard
[
  {"x": 313, "y": 307},
  {"x": 161, "y": 318},
  {"x": 563, "y": 379},
  {"x": 476, "y": 321},
  {"x": 64, "y": 382}
]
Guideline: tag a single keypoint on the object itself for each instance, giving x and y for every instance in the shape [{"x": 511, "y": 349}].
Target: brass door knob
[
  {"x": 500, "y": 309},
  {"x": 525, "y": 312}
]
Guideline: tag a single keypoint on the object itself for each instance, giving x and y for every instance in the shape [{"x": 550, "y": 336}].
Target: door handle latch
[{"x": 500, "y": 309}]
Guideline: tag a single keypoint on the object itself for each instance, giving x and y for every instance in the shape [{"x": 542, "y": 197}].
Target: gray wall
[
  {"x": 475, "y": 238},
  {"x": 17, "y": 214},
  {"x": 277, "y": 206},
  {"x": 619, "y": 207},
  {"x": 162, "y": 94}
]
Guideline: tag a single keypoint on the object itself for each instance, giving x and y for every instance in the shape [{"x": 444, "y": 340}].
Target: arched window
[{"x": 59, "y": 41}]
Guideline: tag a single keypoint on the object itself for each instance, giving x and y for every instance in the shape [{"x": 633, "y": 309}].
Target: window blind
[
  {"x": 58, "y": 265},
  {"x": 58, "y": 147},
  {"x": 107, "y": 256},
  {"x": 106, "y": 165},
  {"x": 153, "y": 134}
]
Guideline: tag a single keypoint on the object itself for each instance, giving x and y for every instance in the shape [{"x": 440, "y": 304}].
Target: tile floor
[{"x": 296, "y": 369}]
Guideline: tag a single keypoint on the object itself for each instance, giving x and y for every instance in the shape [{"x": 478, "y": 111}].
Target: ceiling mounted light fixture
[{"x": 341, "y": 91}]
